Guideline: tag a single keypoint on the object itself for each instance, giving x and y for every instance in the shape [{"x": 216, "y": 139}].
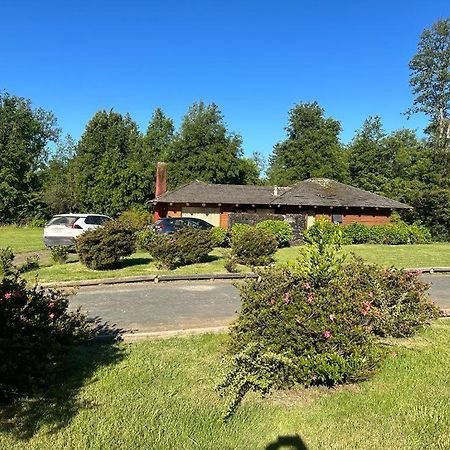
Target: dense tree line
[{"x": 112, "y": 166}]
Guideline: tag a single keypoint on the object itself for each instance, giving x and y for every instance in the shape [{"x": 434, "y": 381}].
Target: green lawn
[
  {"x": 21, "y": 239},
  {"x": 141, "y": 263},
  {"x": 421, "y": 255},
  {"x": 159, "y": 395}
]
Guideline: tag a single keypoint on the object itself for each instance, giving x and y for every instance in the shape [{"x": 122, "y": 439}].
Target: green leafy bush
[
  {"x": 6, "y": 261},
  {"x": 357, "y": 233},
  {"x": 316, "y": 321},
  {"x": 221, "y": 237},
  {"x": 393, "y": 234},
  {"x": 193, "y": 244},
  {"x": 253, "y": 247},
  {"x": 135, "y": 218},
  {"x": 399, "y": 299},
  {"x": 59, "y": 253},
  {"x": 280, "y": 229},
  {"x": 103, "y": 247},
  {"x": 36, "y": 332},
  {"x": 145, "y": 238},
  {"x": 239, "y": 228},
  {"x": 321, "y": 230},
  {"x": 186, "y": 246}
]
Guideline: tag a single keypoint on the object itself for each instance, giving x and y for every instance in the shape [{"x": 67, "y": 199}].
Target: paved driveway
[
  {"x": 163, "y": 306},
  {"x": 182, "y": 305}
]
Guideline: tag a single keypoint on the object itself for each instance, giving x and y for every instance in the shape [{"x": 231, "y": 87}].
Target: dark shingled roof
[{"x": 312, "y": 192}]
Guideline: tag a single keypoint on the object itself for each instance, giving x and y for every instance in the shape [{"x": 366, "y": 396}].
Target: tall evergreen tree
[
  {"x": 110, "y": 174},
  {"x": 159, "y": 136},
  {"x": 205, "y": 150},
  {"x": 24, "y": 134},
  {"x": 312, "y": 148}
]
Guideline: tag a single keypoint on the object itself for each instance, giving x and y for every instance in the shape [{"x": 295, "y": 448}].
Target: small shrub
[
  {"x": 36, "y": 332},
  {"x": 321, "y": 230},
  {"x": 230, "y": 264},
  {"x": 239, "y": 228},
  {"x": 164, "y": 252},
  {"x": 186, "y": 246},
  {"x": 281, "y": 230},
  {"x": 193, "y": 245},
  {"x": 6, "y": 261},
  {"x": 31, "y": 263},
  {"x": 59, "y": 254},
  {"x": 103, "y": 247},
  {"x": 221, "y": 237},
  {"x": 254, "y": 247},
  {"x": 145, "y": 238},
  {"x": 136, "y": 219}
]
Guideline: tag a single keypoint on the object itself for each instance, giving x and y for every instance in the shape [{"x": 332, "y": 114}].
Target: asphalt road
[{"x": 149, "y": 307}]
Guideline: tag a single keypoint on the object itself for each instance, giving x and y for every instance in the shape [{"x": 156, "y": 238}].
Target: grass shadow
[
  {"x": 130, "y": 262},
  {"x": 55, "y": 407},
  {"x": 285, "y": 442}
]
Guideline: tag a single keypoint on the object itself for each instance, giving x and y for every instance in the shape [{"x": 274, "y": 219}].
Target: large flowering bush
[
  {"x": 36, "y": 331},
  {"x": 316, "y": 321}
]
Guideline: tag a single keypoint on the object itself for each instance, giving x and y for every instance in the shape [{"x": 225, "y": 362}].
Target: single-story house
[{"x": 340, "y": 203}]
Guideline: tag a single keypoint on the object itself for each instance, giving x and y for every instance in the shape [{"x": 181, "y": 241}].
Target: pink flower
[
  {"x": 370, "y": 294},
  {"x": 272, "y": 301},
  {"x": 310, "y": 297},
  {"x": 364, "y": 312},
  {"x": 327, "y": 334},
  {"x": 51, "y": 316},
  {"x": 367, "y": 305},
  {"x": 51, "y": 305},
  {"x": 332, "y": 317},
  {"x": 286, "y": 298},
  {"x": 8, "y": 295},
  {"x": 307, "y": 286},
  {"x": 419, "y": 272}
]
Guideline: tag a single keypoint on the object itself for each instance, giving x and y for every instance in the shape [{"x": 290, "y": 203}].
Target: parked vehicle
[
  {"x": 169, "y": 225},
  {"x": 62, "y": 229}
]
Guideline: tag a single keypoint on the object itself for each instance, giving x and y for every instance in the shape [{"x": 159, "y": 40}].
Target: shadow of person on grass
[
  {"x": 54, "y": 407},
  {"x": 287, "y": 443}
]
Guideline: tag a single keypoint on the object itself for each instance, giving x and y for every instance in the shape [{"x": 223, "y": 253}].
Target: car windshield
[{"x": 61, "y": 220}]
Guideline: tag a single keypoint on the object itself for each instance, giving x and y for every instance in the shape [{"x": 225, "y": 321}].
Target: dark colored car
[{"x": 169, "y": 225}]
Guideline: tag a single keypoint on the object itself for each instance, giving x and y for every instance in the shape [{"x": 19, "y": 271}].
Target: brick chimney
[
  {"x": 160, "y": 188},
  {"x": 161, "y": 178}
]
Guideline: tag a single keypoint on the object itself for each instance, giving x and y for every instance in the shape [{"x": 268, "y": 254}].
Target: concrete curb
[
  {"x": 149, "y": 278},
  {"x": 133, "y": 337},
  {"x": 196, "y": 277}
]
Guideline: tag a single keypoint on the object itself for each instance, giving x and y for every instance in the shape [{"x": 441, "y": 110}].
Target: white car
[{"x": 64, "y": 228}]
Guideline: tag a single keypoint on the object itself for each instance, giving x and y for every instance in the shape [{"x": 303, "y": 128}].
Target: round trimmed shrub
[
  {"x": 280, "y": 229},
  {"x": 135, "y": 218},
  {"x": 221, "y": 237},
  {"x": 186, "y": 246},
  {"x": 103, "y": 247},
  {"x": 254, "y": 247}
]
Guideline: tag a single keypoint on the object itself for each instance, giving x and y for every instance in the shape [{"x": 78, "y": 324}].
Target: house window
[{"x": 337, "y": 218}]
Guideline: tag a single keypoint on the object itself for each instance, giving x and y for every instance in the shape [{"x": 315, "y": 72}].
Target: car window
[
  {"x": 64, "y": 220},
  {"x": 95, "y": 220}
]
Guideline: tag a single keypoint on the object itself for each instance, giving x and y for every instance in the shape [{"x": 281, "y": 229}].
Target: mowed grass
[
  {"x": 160, "y": 395},
  {"x": 22, "y": 239},
  {"x": 142, "y": 264},
  {"x": 420, "y": 255}
]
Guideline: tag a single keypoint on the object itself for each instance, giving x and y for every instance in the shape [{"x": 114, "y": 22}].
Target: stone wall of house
[{"x": 296, "y": 221}]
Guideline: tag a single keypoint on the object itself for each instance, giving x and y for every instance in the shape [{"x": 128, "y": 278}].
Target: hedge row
[{"x": 391, "y": 234}]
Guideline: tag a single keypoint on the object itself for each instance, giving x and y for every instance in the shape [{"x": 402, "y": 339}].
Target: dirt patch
[{"x": 44, "y": 255}]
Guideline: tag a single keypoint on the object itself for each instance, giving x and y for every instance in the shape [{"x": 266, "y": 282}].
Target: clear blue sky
[{"x": 255, "y": 59}]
